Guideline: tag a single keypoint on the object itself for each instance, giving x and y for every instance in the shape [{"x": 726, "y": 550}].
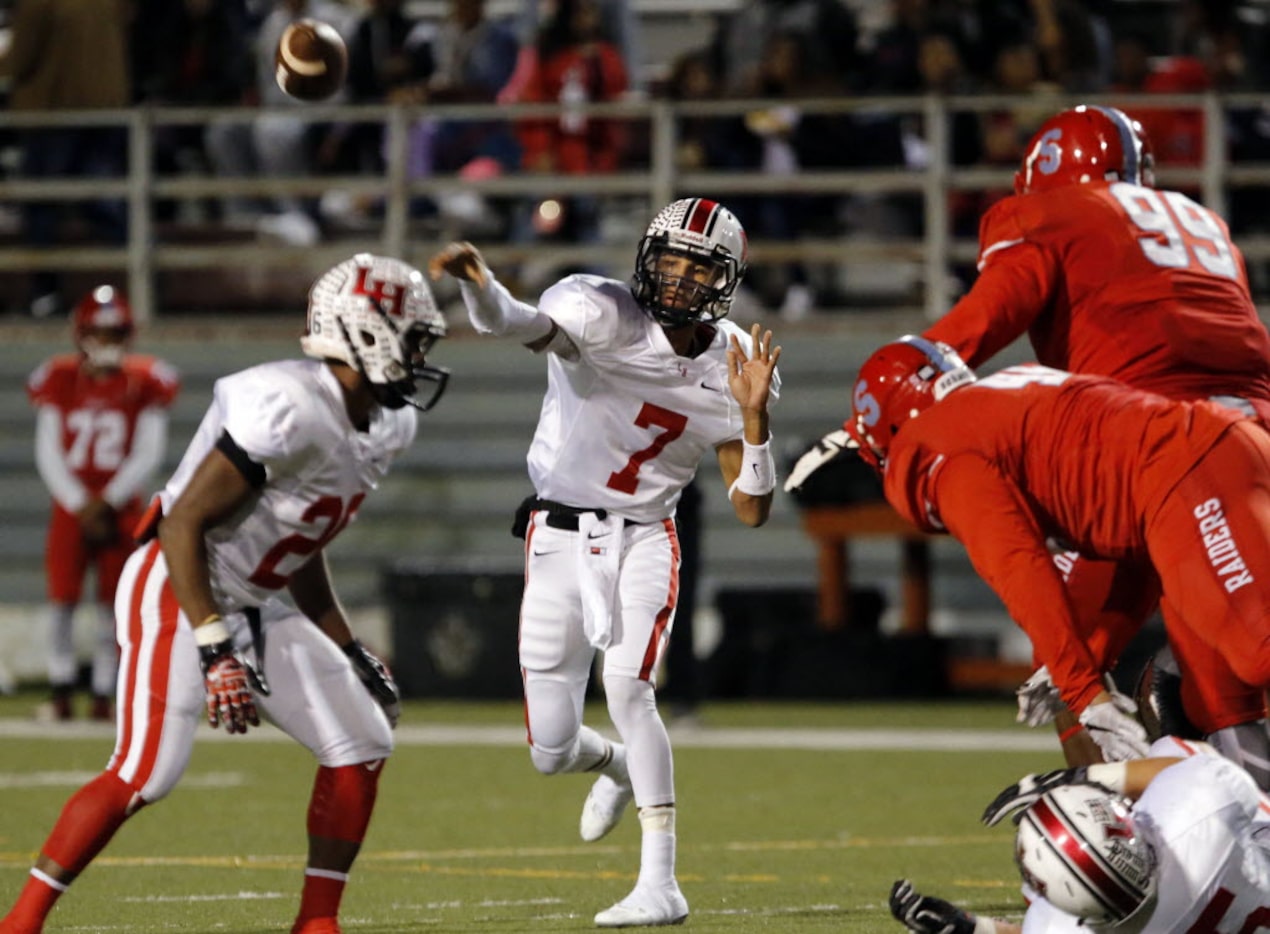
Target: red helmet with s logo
[
  {"x": 1086, "y": 144},
  {"x": 897, "y": 383}
]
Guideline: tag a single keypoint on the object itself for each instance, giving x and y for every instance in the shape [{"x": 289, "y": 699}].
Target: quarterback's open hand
[
  {"x": 377, "y": 678},
  {"x": 825, "y": 450},
  {"x": 925, "y": 914},
  {"x": 1027, "y": 791},
  {"x": 750, "y": 377},
  {"x": 461, "y": 260},
  {"x": 229, "y": 699}
]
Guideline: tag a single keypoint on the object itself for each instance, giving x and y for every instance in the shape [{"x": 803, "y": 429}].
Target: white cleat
[
  {"x": 604, "y": 807},
  {"x": 646, "y": 908}
]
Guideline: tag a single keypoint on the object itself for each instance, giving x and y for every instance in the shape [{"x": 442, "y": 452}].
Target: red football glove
[{"x": 229, "y": 699}]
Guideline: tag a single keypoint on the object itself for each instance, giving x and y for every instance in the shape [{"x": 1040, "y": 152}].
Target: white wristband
[
  {"x": 211, "y": 633},
  {"x": 758, "y": 470},
  {"x": 1111, "y": 775}
]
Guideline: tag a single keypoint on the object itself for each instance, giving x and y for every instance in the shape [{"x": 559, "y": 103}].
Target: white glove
[
  {"x": 1124, "y": 703},
  {"x": 826, "y": 449},
  {"x": 1038, "y": 699},
  {"x": 1118, "y": 735}
]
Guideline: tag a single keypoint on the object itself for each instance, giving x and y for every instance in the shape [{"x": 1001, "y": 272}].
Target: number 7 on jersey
[{"x": 673, "y": 424}]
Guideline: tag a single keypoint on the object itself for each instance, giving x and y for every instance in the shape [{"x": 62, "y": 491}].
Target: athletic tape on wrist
[
  {"x": 758, "y": 470},
  {"x": 211, "y": 631},
  {"x": 1111, "y": 775}
]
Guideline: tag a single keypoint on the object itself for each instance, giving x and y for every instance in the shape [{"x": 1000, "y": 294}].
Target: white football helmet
[
  {"x": 1078, "y": 847},
  {"x": 700, "y": 229},
  {"x": 377, "y": 314}
]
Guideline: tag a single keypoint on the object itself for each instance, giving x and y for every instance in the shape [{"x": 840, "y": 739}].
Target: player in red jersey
[
  {"x": 1032, "y": 455},
  {"x": 1107, "y": 275},
  {"x": 101, "y": 429}
]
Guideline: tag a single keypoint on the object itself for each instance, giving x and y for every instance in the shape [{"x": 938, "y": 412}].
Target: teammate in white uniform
[
  {"x": 279, "y": 465},
  {"x": 644, "y": 380},
  {"x": 1190, "y": 856}
]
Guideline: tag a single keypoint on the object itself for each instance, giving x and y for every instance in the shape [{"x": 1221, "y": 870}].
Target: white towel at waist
[{"x": 599, "y": 555}]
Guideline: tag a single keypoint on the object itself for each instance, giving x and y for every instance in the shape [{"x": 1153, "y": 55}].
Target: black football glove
[
  {"x": 377, "y": 678},
  {"x": 1028, "y": 790},
  {"x": 821, "y": 453},
  {"x": 925, "y": 914}
]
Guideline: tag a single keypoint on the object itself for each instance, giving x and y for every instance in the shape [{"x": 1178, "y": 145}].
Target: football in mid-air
[{"x": 311, "y": 61}]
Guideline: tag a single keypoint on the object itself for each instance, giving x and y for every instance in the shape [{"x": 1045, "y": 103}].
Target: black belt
[{"x": 560, "y": 516}]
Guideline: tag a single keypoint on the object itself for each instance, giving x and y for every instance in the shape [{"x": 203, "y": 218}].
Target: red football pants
[
  {"x": 1210, "y": 543},
  {"x": 67, "y": 558}
]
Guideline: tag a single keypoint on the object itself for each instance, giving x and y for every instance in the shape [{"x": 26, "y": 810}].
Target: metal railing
[{"x": 659, "y": 182}]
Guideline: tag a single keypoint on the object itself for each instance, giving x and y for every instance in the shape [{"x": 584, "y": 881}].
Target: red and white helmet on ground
[
  {"x": 1086, "y": 144},
  {"x": 377, "y": 314},
  {"x": 1078, "y": 847},
  {"x": 899, "y": 382},
  {"x": 700, "y": 229},
  {"x": 102, "y": 324}
]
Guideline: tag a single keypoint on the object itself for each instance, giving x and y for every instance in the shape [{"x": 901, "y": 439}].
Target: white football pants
[
  {"x": 556, "y": 655},
  {"x": 316, "y": 698}
]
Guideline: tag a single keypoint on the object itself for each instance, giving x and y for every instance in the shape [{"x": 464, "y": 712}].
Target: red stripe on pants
[{"x": 667, "y": 611}]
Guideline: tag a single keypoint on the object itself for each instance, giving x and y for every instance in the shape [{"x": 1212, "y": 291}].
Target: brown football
[{"x": 311, "y": 60}]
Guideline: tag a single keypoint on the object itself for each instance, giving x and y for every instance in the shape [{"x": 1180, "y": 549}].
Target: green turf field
[{"x": 468, "y": 837}]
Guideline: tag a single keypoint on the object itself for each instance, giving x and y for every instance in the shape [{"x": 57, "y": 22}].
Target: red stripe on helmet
[
  {"x": 699, "y": 217},
  {"x": 1070, "y": 848}
]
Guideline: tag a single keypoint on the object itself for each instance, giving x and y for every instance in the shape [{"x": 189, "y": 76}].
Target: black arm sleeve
[{"x": 252, "y": 472}]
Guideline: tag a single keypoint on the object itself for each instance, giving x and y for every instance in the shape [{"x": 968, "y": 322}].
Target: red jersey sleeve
[
  {"x": 987, "y": 513},
  {"x": 159, "y": 381},
  {"x": 52, "y": 382},
  {"x": 1017, "y": 278}
]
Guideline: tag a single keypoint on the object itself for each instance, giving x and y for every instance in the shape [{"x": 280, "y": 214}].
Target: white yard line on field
[{"x": 827, "y": 739}]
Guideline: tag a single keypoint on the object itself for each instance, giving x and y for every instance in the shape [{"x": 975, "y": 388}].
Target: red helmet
[
  {"x": 103, "y": 307},
  {"x": 1086, "y": 144},
  {"x": 900, "y": 381}
]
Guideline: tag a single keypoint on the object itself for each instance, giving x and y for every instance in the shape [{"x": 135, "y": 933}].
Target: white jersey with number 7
[{"x": 624, "y": 427}]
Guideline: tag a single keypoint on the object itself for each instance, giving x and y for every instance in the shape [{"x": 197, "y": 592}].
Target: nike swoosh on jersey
[
  {"x": 705, "y": 385},
  {"x": 539, "y": 554}
]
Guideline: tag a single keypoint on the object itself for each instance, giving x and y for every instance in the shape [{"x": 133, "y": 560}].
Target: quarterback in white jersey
[
  {"x": 644, "y": 380},
  {"x": 1190, "y": 855},
  {"x": 279, "y": 465}
]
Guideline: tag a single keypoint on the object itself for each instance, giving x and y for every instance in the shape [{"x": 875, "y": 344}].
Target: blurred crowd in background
[{"x": 220, "y": 53}]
